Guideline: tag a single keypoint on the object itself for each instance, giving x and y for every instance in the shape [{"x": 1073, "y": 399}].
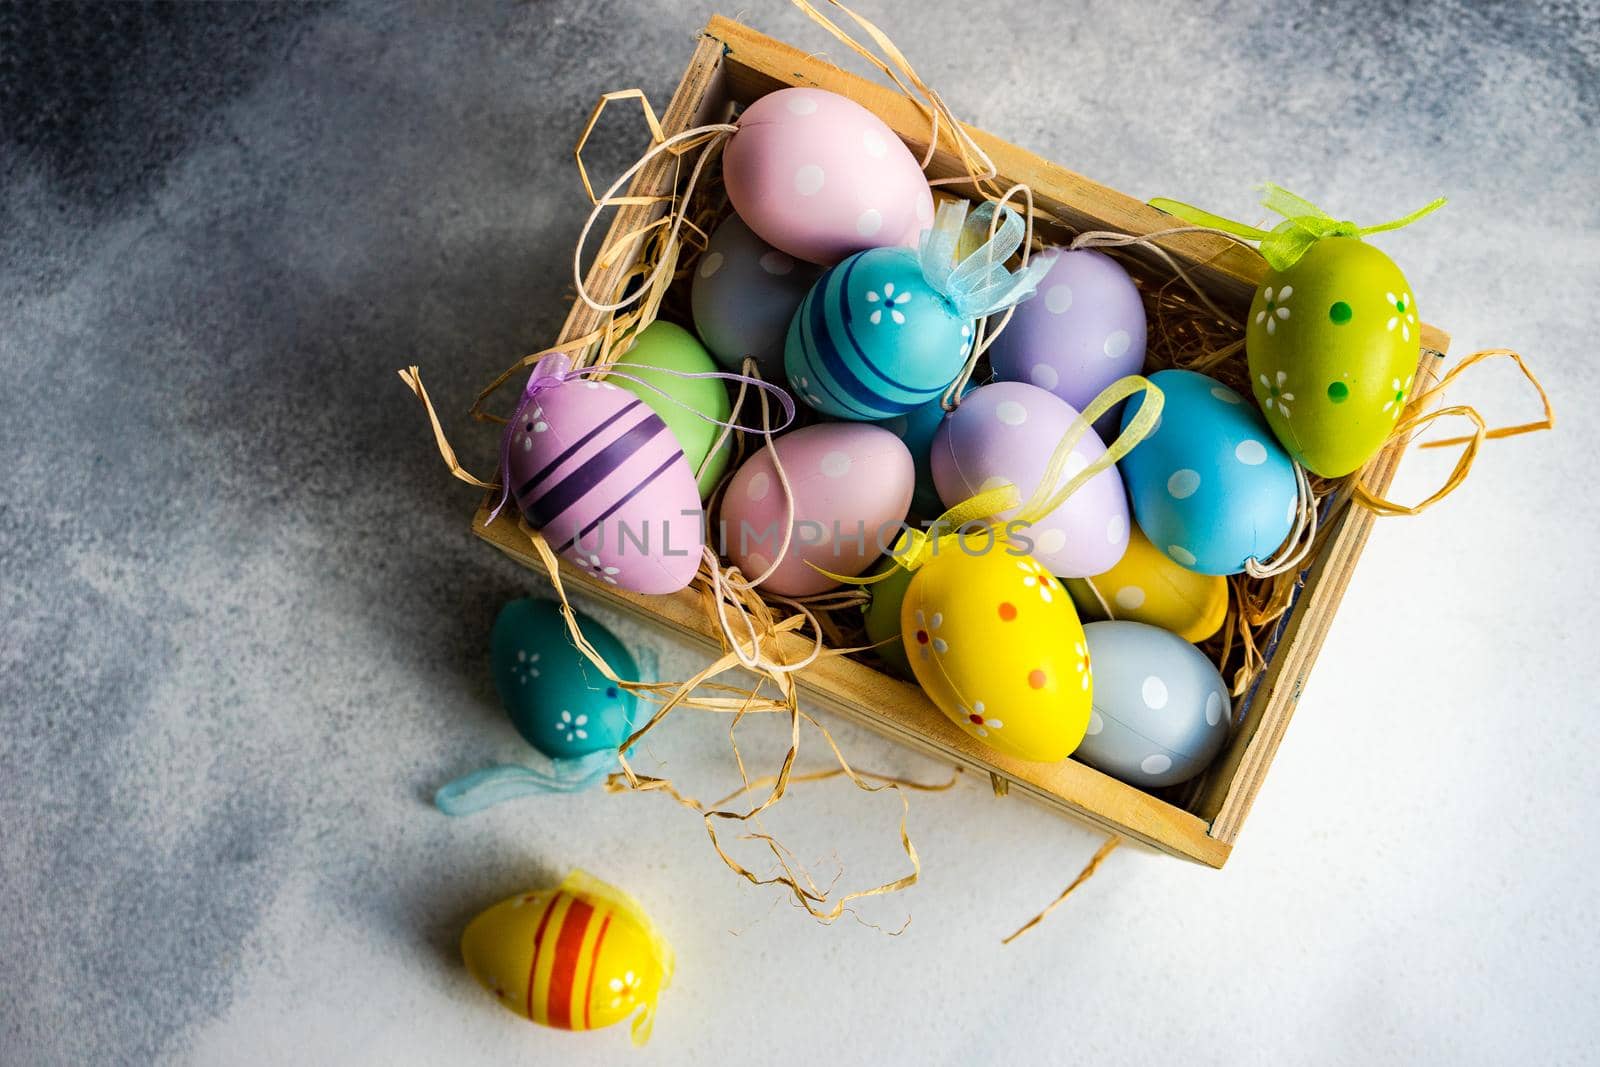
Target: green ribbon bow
[{"x": 1303, "y": 225}]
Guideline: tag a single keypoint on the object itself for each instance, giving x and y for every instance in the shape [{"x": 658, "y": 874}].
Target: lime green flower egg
[{"x": 1333, "y": 343}]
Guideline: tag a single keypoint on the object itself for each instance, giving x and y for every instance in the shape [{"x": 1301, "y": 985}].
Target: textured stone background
[{"x": 244, "y": 628}]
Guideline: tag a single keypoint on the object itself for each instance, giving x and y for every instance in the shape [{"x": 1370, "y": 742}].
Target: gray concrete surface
[{"x": 244, "y": 628}]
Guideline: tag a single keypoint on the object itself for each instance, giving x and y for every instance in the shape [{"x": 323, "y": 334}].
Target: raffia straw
[
  {"x": 1084, "y": 875},
  {"x": 412, "y": 376},
  {"x": 792, "y": 876},
  {"x": 892, "y": 63},
  {"x": 1418, "y": 415}
]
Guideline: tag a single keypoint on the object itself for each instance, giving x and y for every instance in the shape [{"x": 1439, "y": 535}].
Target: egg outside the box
[
  {"x": 691, "y": 407},
  {"x": 851, "y": 486},
  {"x": 559, "y": 702},
  {"x": 598, "y": 472},
  {"x": 873, "y": 339},
  {"x": 1161, "y": 710},
  {"x": 1083, "y": 329},
  {"x": 580, "y": 957},
  {"x": 995, "y": 643},
  {"x": 743, "y": 296},
  {"x": 1005, "y": 432},
  {"x": 1210, "y": 486},
  {"x": 1147, "y": 586},
  {"x": 820, "y": 177},
  {"x": 1333, "y": 344}
]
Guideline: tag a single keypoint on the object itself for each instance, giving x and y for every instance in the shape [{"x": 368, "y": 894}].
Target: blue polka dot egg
[
  {"x": 560, "y": 702},
  {"x": 873, "y": 339},
  {"x": 1211, "y": 487}
]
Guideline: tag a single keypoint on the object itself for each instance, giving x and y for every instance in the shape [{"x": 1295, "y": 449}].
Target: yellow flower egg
[
  {"x": 1148, "y": 587},
  {"x": 579, "y": 957},
  {"x": 995, "y": 642}
]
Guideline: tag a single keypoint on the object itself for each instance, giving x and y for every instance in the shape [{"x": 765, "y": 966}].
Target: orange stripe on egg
[
  {"x": 594, "y": 963},
  {"x": 533, "y": 958},
  {"x": 564, "y": 966}
]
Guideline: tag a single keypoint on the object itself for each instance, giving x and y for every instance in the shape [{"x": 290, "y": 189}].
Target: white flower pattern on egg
[
  {"x": 527, "y": 666},
  {"x": 1397, "y": 403},
  {"x": 1277, "y": 393},
  {"x": 981, "y": 723},
  {"x": 593, "y": 566},
  {"x": 928, "y": 642},
  {"x": 892, "y": 303},
  {"x": 1275, "y": 309},
  {"x": 624, "y": 989},
  {"x": 1035, "y": 576},
  {"x": 573, "y": 727},
  {"x": 1404, "y": 315}
]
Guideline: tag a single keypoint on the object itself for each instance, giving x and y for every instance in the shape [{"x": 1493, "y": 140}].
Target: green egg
[
  {"x": 882, "y": 618},
  {"x": 662, "y": 347},
  {"x": 1333, "y": 344}
]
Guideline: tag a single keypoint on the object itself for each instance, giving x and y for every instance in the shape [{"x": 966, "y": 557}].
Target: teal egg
[
  {"x": 916, "y": 428},
  {"x": 559, "y": 702},
  {"x": 873, "y": 339}
]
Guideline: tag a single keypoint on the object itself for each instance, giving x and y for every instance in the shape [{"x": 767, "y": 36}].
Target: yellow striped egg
[{"x": 579, "y": 957}]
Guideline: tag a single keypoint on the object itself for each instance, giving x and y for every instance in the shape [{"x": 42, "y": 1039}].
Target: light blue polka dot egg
[
  {"x": 873, "y": 339},
  {"x": 1210, "y": 486}
]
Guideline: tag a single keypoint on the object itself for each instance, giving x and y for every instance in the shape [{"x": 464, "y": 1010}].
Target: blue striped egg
[
  {"x": 873, "y": 339},
  {"x": 600, "y": 475}
]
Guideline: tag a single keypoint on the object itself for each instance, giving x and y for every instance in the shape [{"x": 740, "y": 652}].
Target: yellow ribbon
[
  {"x": 914, "y": 547},
  {"x": 1303, "y": 225}
]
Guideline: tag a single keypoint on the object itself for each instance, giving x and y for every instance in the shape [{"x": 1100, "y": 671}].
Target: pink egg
[
  {"x": 821, "y": 177},
  {"x": 851, "y": 484},
  {"x": 599, "y": 473},
  {"x": 1006, "y": 432}
]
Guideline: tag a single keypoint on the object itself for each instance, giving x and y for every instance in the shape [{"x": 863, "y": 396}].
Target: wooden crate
[{"x": 732, "y": 65}]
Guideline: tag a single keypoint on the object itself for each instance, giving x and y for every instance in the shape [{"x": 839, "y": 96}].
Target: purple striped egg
[{"x": 599, "y": 473}]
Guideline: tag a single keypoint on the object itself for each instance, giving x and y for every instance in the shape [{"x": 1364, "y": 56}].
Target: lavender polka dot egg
[
  {"x": 743, "y": 296},
  {"x": 1083, "y": 329},
  {"x": 1211, "y": 487},
  {"x": 597, "y": 471},
  {"x": 1006, "y": 432},
  {"x": 851, "y": 486},
  {"x": 1161, "y": 711},
  {"x": 819, "y": 177}
]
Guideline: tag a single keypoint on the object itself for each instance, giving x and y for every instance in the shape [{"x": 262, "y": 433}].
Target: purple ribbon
[{"x": 556, "y": 369}]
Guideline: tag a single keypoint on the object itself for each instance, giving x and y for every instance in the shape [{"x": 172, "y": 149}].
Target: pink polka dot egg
[
  {"x": 597, "y": 471},
  {"x": 851, "y": 488},
  {"x": 1006, "y": 432},
  {"x": 820, "y": 177}
]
